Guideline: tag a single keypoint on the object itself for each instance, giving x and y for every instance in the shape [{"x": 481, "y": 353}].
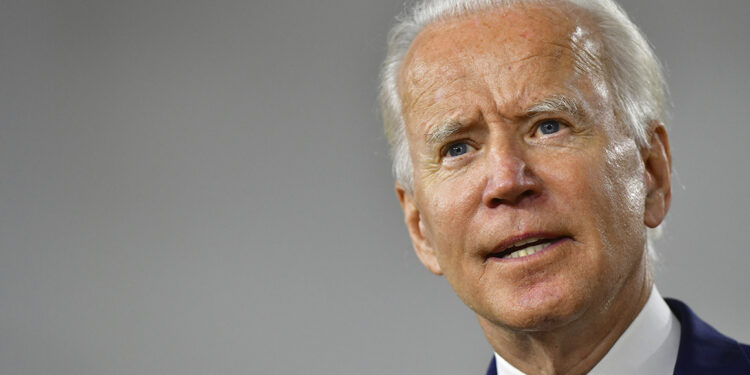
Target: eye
[
  {"x": 457, "y": 149},
  {"x": 549, "y": 127}
]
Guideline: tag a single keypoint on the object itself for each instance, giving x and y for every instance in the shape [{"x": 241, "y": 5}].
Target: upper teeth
[
  {"x": 524, "y": 242},
  {"x": 528, "y": 250}
]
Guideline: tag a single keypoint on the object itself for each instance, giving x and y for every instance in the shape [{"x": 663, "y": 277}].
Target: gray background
[{"x": 202, "y": 187}]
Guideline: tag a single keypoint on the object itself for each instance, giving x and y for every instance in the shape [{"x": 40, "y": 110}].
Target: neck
[{"x": 576, "y": 347}]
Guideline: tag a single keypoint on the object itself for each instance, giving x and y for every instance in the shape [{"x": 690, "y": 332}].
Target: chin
[{"x": 539, "y": 308}]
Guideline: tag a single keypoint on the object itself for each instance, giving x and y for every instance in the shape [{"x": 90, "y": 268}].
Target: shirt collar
[{"x": 648, "y": 346}]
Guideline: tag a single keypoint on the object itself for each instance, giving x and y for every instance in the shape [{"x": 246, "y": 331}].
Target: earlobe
[
  {"x": 414, "y": 224},
  {"x": 658, "y": 176}
]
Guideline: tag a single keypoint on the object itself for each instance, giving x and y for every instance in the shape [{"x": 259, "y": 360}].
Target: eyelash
[
  {"x": 444, "y": 152},
  {"x": 538, "y": 125}
]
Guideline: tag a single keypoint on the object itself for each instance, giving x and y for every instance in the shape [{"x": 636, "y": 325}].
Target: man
[{"x": 531, "y": 159}]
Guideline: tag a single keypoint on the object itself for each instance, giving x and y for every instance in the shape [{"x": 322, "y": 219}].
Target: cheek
[
  {"x": 620, "y": 205},
  {"x": 624, "y": 179},
  {"x": 572, "y": 181},
  {"x": 449, "y": 210},
  {"x": 593, "y": 189},
  {"x": 453, "y": 200}
]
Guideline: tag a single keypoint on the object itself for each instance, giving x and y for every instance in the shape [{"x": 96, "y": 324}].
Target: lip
[{"x": 557, "y": 239}]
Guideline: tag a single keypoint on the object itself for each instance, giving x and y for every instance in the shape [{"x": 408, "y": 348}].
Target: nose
[{"x": 510, "y": 181}]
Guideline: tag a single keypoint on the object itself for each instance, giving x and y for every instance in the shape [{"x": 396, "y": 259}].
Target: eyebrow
[
  {"x": 443, "y": 132},
  {"x": 558, "y": 103}
]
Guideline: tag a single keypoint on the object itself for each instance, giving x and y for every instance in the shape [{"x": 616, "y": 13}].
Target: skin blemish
[{"x": 439, "y": 95}]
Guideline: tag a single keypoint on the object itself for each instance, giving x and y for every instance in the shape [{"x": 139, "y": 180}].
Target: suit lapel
[
  {"x": 492, "y": 370},
  {"x": 703, "y": 350}
]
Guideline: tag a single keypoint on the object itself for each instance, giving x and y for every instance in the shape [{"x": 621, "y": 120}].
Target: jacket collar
[{"x": 703, "y": 350}]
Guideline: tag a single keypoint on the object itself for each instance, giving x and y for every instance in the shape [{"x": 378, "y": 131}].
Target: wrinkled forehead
[{"x": 489, "y": 39}]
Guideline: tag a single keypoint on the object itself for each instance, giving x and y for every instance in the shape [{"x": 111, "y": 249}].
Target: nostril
[
  {"x": 523, "y": 196},
  {"x": 527, "y": 194},
  {"x": 494, "y": 202}
]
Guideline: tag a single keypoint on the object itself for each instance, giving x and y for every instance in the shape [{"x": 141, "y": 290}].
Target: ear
[
  {"x": 658, "y": 174},
  {"x": 415, "y": 226}
]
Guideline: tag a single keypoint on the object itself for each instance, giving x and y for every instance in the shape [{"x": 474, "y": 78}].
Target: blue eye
[
  {"x": 458, "y": 149},
  {"x": 549, "y": 127}
]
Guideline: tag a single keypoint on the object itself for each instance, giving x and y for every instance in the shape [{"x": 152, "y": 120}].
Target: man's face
[{"x": 514, "y": 139}]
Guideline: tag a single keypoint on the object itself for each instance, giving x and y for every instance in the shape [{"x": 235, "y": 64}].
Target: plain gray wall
[{"x": 202, "y": 187}]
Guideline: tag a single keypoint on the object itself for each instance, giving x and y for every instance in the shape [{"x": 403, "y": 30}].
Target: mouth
[{"x": 525, "y": 247}]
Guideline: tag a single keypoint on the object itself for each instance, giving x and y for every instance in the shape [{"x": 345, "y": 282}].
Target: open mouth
[{"x": 525, "y": 247}]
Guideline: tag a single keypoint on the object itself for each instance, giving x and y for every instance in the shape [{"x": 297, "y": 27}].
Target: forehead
[
  {"x": 513, "y": 31},
  {"x": 495, "y": 46}
]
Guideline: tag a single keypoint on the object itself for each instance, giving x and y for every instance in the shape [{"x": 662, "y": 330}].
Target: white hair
[{"x": 634, "y": 74}]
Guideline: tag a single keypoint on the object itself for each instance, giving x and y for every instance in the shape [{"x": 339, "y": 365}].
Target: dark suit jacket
[{"x": 703, "y": 350}]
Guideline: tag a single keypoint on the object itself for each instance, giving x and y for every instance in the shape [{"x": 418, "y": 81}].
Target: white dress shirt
[{"x": 648, "y": 346}]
